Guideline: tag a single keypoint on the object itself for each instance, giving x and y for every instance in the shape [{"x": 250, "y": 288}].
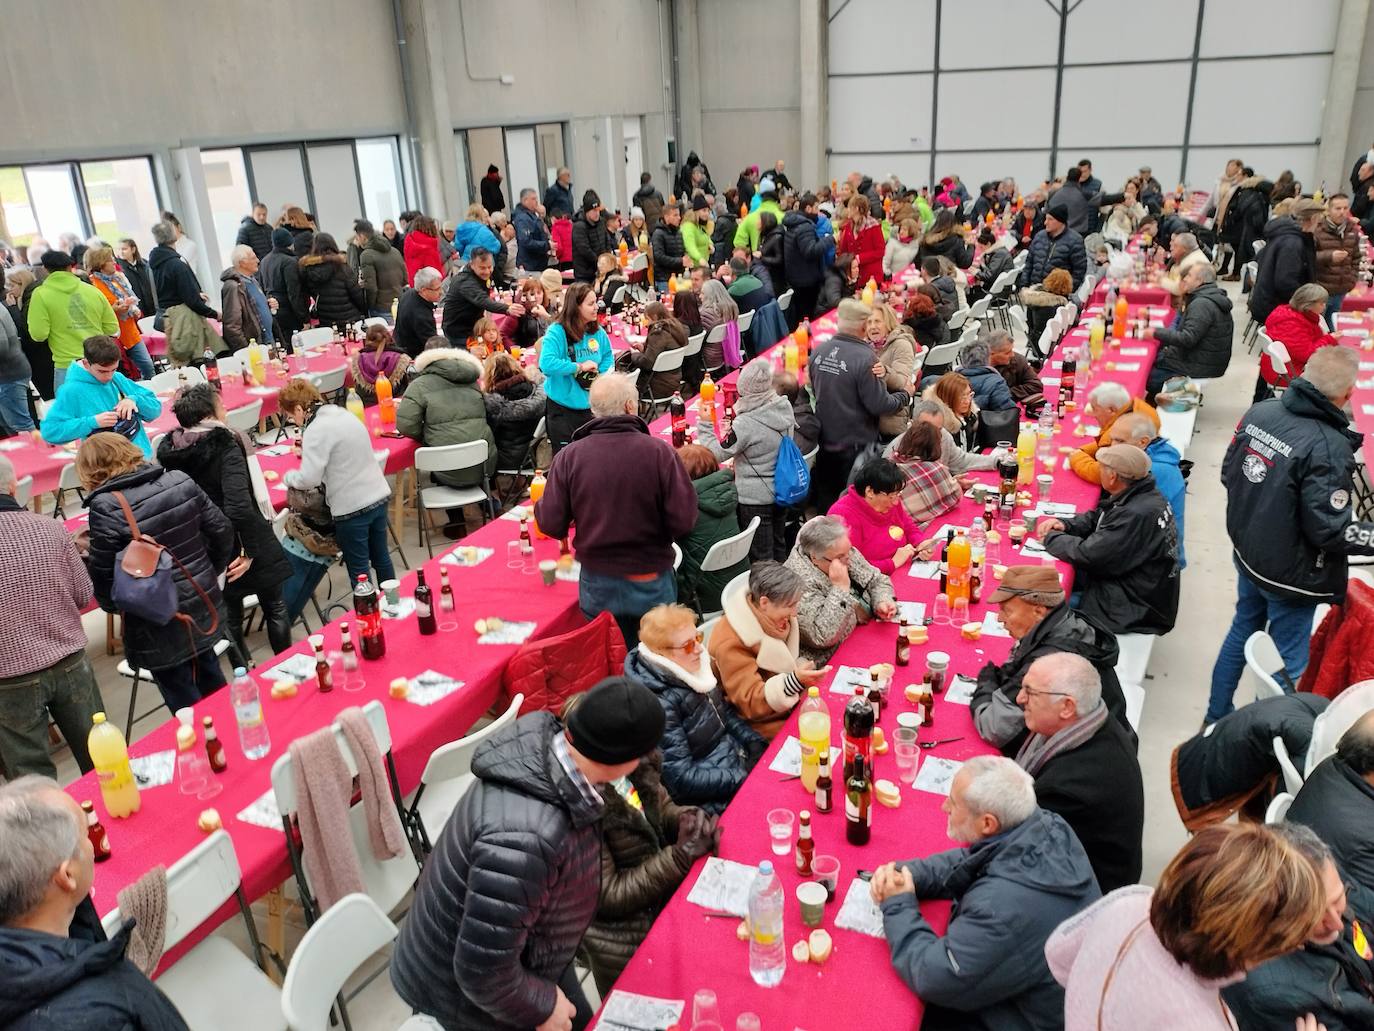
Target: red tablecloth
[{"x": 686, "y": 950}]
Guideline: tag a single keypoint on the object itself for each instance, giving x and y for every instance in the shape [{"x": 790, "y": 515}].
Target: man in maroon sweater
[
  {"x": 630, "y": 498},
  {"x": 43, "y": 666}
]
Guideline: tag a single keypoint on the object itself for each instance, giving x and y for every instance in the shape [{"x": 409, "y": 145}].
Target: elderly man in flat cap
[{"x": 1125, "y": 551}]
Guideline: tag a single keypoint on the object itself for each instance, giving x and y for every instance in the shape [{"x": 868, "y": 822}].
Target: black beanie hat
[
  {"x": 617, "y": 721},
  {"x": 281, "y": 237}
]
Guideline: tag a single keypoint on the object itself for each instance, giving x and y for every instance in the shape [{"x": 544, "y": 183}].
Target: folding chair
[
  {"x": 317, "y": 337},
  {"x": 1278, "y": 808},
  {"x": 231, "y": 366},
  {"x": 522, "y": 476},
  {"x": 1336, "y": 719},
  {"x": 137, "y": 675},
  {"x": 739, "y": 583},
  {"x": 716, "y": 336},
  {"x": 214, "y": 985},
  {"x": 166, "y": 382},
  {"x": 244, "y": 419},
  {"x": 67, "y": 480},
  {"x": 451, "y": 458},
  {"x": 667, "y": 361},
  {"x": 1263, "y": 658},
  {"x": 728, "y": 552},
  {"x": 331, "y": 951},
  {"x": 23, "y": 491},
  {"x": 330, "y": 383}
]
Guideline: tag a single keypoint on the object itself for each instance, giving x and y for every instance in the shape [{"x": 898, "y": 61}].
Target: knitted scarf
[
  {"x": 1039, "y": 750},
  {"x": 120, "y": 287},
  {"x": 145, "y": 900}
]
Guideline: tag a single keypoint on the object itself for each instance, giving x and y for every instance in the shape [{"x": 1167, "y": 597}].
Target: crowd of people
[{"x": 625, "y": 785}]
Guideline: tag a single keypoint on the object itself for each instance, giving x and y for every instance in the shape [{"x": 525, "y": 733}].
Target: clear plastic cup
[
  {"x": 705, "y": 1008},
  {"x": 958, "y": 611},
  {"x": 514, "y": 560},
  {"x": 826, "y": 870},
  {"x": 939, "y": 612},
  {"x": 780, "y": 823}
]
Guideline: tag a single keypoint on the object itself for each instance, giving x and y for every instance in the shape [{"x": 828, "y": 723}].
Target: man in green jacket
[
  {"x": 747, "y": 235},
  {"x": 65, "y": 311}
]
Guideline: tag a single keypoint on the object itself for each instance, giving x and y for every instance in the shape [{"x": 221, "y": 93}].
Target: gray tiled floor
[{"x": 1176, "y": 691}]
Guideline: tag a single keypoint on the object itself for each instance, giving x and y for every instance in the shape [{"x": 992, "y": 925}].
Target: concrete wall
[{"x": 1362, "y": 115}]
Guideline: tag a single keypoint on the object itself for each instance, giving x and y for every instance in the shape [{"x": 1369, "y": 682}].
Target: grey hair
[
  {"x": 995, "y": 785},
  {"x": 1075, "y": 676},
  {"x": 819, "y": 533},
  {"x": 241, "y": 253},
  {"x": 9, "y": 480},
  {"x": 1308, "y": 295},
  {"x": 611, "y": 393},
  {"x": 1186, "y": 240},
  {"x": 163, "y": 232},
  {"x": 1332, "y": 370},
  {"x": 1305, "y": 840},
  {"x": 1135, "y": 425},
  {"x": 995, "y": 340},
  {"x": 427, "y": 277},
  {"x": 974, "y": 355},
  {"x": 774, "y": 581},
  {"x": 36, "y": 250},
  {"x": 526, "y": 192},
  {"x": 1204, "y": 272},
  {"x": 925, "y": 406},
  {"x": 498, "y": 218},
  {"x": 36, "y": 837},
  {"x": 1110, "y": 395}
]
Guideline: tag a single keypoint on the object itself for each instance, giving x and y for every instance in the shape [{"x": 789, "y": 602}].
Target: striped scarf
[
  {"x": 120, "y": 287},
  {"x": 1039, "y": 750}
]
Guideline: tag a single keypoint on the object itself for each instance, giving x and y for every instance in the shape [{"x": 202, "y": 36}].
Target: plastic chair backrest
[
  {"x": 231, "y": 365},
  {"x": 1278, "y": 808},
  {"x": 338, "y": 943},
  {"x": 197, "y": 884},
  {"x": 67, "y": 478},
  {"x": 245, "y": 418},
  {"x": 980, "y": 307},
  {"x": 810, "y": 457},
  {"x": 1344, "y": 710},
  {"x": 23, "y": 491},
  {"x": 449, "y": 458},
  {"x": 1292, "y": 779},
  {"x": 329, "y": 381},
  {"x": 738, "y": 583},
  {"x": 717, "y": 333},
  {"x": 706, "y": 629},
  {"x": 957, "y": 320},
  {"x": 785, "y": 301},
  {"x": 746, "y": 319},
  {"x": 677, "y": 555},
  {"x": 145, "y": 325},
  {"x": 1263, "y": 658},
  {"x": 668, "y": 361},
  {"x": 694, "y": 343},
  {"x": 944, "y": 354},
  {"x": 619, "y": 296},
  {"x": 633, "y": 376},
  {"x": 453, "y": 760},
  {"x": 724, "y": 554},
  {"x": 375, "y": 320},
  {"x": 317, "y": 336},
  {"x": 638, "y": 263}
]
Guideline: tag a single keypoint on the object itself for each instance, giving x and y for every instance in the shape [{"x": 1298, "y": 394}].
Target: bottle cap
[
  {"x": 88, "y": 807},
  {"x": 186, "y": 738},
  {"x": 97, "y": 719},
  {"x": 813, "y": 692},
  {"x": 239, "y": 671},
  {"x": 766, "y": 866}
]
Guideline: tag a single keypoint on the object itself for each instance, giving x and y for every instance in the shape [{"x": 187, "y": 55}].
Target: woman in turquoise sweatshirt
[
  {"x": 575, "y": 351},
  {"x": 95, "y": 397}
]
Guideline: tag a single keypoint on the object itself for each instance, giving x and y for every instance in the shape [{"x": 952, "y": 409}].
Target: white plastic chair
[
  {"x": 745, "y": 321},
  {"x": 354, "y": 929},
  {"x": 785, "y": 300},
  {"x": 316, "y": 337},
  {"x": 1133, "y": 657},
  {"x": 725, "y": 553},
  {"x": 943, "y": 354},
  {"x": 677, "y": 556},
  {"x": 387, "y": 881},
  {"x": 810, "y": 457},
  {"x": 957, "y": 320},
  {"x": 375, "y": 320},
  {"x": 716, "y": 336},
  {"x": 737, "y": 584},
  {"x": 1278, "y": 808},
  {"x": 246, "y": 418},
  {"x": 1336, "y": 719},
  {"x": 980, "y": 308},
  {"x": 1292, "y": 779},
  {"x": 328, "y": 381},
  {"x": 706, "y": 629},
  {"x": 667, "y": 361},
  {"x": 450, "y": 458},
  {"x": 137, "y": 675},
  {"x": 694, "y": 343},
  {"x": 23, "y": 491},
  {"x": 145, "y": 325},
  {"x": 231, "y": 366},
  {"x": 166, "y": 382},
  {"x": 214, "y": 985},
  {"x": 448, "y": 777},
  {"x": 1263, "y": 658}
]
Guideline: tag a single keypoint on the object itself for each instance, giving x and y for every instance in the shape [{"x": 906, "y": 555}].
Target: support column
[
  {"x": 434, "y": 141},
  {"x": 191, "y": 203},
  {"x": 1333, "y": 157},
  {"x": 684, "y": 60},
  {"x": 814, "y": 71}
]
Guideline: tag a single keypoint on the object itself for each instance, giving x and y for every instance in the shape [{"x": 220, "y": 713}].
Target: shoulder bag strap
[
  {"x": 1111, "y": 972},
  {"x": 128, "y": 514},
  {"x": 138, "y": 536}
]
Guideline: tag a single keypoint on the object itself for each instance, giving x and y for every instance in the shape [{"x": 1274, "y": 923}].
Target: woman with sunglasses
[{"x": 708, "y": 747}]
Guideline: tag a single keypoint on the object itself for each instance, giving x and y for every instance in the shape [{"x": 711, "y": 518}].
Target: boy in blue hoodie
[{"x": 96, "y": 396}]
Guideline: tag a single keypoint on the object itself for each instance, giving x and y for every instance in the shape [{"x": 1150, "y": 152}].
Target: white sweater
[{"x": 336, "y": 450}]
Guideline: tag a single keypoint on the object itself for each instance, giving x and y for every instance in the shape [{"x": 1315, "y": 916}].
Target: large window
[
  {"x": 109, "y": 199},
  {"x": 527, "y": 155}
]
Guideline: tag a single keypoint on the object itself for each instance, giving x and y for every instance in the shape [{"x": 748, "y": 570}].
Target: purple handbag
[{"x": 729, "y": 347}]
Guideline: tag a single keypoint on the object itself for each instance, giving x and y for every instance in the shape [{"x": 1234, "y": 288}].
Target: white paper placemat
[
  {"x": 508, "y": 633},
  {"x": 847, "y": 678},
  {"x": 152, "y": 771},
  {"x": 960, "y": 689},
  {"x": 295, "y": 667},
  {"x": 625, "y": 1011},
  {"x": 466, "y": 555},
  {"x": 429, "y": 686},
  {"x": 859, "y": 912},
  {"x": 723, "y": 887},
  {"x": 263, "y": 812},
  {"x": 936, "y": 774}
]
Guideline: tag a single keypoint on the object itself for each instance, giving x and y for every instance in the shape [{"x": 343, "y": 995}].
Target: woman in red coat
[
  {"x": 422, "y": 248},
  {"x": 862, "y": 237},
  {"x": 1297, "y": 325}
]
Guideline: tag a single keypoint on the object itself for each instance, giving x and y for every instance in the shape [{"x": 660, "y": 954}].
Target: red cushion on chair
[{"x": 550, "y": 671}]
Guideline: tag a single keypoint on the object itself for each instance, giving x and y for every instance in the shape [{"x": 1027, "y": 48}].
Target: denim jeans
[
  {"x": 66, "y": 690},
  {"x": 362, "y": 538},
  {"x": 59, "y": 376},
  {"x": 1333, "y": 305},
  {"x": 143, "y": 361},
  {"x": 192, "y": 680},
  {"x": 1289, "y": 623},
  {"x": 624, "y": 599},
  {"x": 305, "y": 577},
  {"x": 14, "y": 406}
]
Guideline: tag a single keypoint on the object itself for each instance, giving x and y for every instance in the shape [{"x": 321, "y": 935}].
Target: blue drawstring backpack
[{"x": 791, "y": 477}]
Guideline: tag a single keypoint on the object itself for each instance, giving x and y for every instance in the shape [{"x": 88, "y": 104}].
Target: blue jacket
[
  {"x": 1164, "y": 459},
  {"x": 708, "y": 747},
  {"x": 558, "y": 368},
  {"x": 826, "y": 231},
  {"x": 474, "y": 234},
  {"x": 1010, "y": 892},
  {"x": 531, "y": 240},
  {"x": 83, "y": 397},
  {"x": 990, "y": 390},
  {"x": 559, "y": 197}
]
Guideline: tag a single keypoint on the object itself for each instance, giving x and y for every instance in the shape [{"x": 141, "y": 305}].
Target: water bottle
[
  {"x": 247, "y": 702},
  {"x": 767, "y": 952},
  {"x": 1046, "y": 423},
  {"x": 978, "y": 540}
]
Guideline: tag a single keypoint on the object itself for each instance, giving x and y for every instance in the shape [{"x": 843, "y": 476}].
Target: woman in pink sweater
[
  {"x": 1234, "y": 897},
  {"x": 878, "y": 523}
]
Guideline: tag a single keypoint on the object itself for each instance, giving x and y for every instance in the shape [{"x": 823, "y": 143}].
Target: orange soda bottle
[{"x": 386, "y": 405}]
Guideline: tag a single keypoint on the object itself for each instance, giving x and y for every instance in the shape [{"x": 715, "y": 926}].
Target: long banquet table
[{"x": 685, "y": 949}]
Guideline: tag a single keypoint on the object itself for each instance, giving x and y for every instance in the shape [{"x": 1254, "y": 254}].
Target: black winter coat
[
  {"x": 258, "y": 237},
  {"x": 1097, "y": 789},
  {"x": 668, "y": 249},
  {"x": 802, "y": 250},
  {"x": 1288, "y": 474},
  {"x": 414, "y": 323},
  {"x": 834, "y": 289},
  {"x": 708, "y": 747},
  {"x": 140, "y": 277},
  {"x": 589, "y": 241},
  {"x": 1237, "y": 751},
  {"x": 1247, "y": 212},
  {"x": 216, "y": 461},
  {"x": 995, "y": 713},
  {"x": 514, "y": 408},
  {"x": 1289, "y": 260},
  {"x": 509, "y": 891},
  {"x": 75, "y": 984},
  {"x": 1125, "y": 559},
  {"x": 952, "y": 245},
  {"x": 467, "y": 299},
  {"x": 723, "y": 239},
  {"x": 175, "y": 281},
  {"x": 1338, "y": 804},
  {"x": 280, "y": 276},
  {"x": 170, "y": 508},
  {"x": 1200, "y": 343},
  {"x": 333, "y": 287},
  {"x": 1050, "y": 252},
  {"x": 772, "y": 253}
]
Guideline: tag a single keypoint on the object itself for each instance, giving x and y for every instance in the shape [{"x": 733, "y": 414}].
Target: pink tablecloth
[
  {"x": 156, "y": 340},
  {"x": 686, "y": 950}
]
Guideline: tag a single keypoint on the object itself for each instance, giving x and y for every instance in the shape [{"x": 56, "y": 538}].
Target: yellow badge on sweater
[{"x": 1360, "y": 942}]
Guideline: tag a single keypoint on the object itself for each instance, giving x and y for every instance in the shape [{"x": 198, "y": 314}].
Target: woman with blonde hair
[
  {"x": 608, "y": 282},
  {"x": 116, "y": 288},
  {"x": 955, "y": 392},
  {"x": 296, "y": 222},
  {"x": 896, "y": 347},
  {"x": 168, "y": 506},
  {"x": 1235, "y": 896}
]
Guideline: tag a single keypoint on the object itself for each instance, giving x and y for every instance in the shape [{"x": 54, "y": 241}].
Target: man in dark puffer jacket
[
  {"x": 514, "y": 879},
  {"x": 1200, "y": 344}
]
